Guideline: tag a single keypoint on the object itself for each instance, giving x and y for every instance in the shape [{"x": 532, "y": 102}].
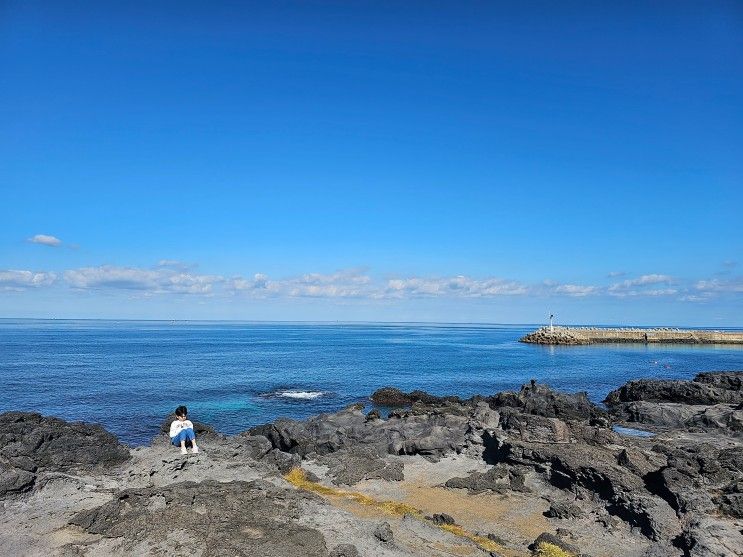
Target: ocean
[{"x": 128, "y": 375}]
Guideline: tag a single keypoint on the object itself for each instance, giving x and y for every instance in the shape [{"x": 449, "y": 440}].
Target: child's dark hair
[{"x": 181, "y": 411}]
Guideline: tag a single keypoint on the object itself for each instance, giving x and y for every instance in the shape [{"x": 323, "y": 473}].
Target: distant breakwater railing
[{"x": 597, "y": 335}]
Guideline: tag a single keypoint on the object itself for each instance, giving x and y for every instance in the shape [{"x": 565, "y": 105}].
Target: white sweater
[{"x": 176, "y": 426}]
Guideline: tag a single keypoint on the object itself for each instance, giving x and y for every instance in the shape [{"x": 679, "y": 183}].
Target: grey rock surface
[
  {"x": 383, "y": 532},
  {"x": 207, "y": 518}
]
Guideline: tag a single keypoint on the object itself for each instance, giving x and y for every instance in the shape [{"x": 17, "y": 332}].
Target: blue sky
[{"x": 430, "y": 161}]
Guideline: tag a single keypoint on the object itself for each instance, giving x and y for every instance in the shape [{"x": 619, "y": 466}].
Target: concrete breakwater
[{"x": 598, "y": 335}]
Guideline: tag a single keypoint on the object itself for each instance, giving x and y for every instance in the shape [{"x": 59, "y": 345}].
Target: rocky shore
[{"x": 533, "y": 472}]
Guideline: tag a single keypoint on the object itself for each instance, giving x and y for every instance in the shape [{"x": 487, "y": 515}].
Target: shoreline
[{"x": 508, "y": 474}]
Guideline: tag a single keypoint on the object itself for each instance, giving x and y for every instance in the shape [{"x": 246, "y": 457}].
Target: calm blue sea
[{"x": 128, "y": 375}]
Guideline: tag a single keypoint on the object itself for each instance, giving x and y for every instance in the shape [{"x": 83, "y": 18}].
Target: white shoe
[
  {"x": 195, "y": 450},
  {"x": 183, "y": 450}
]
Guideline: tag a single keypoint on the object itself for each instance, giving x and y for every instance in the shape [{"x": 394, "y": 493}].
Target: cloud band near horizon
[{"x": 175, "y": 278}]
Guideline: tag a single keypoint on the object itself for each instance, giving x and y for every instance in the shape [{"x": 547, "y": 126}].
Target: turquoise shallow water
[{"x": 129, "y": 375}]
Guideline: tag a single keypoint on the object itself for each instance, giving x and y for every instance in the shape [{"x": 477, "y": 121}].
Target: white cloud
[
  {"x": 20, "y": 280},
  {"x": 642, "y": 286},
  {"x": 720, "y": 286},
  {"x": 175, "y": 277},
  {"x": 577, "y": 290},
  {"x": 46, "y": 240},
  {"x": 351, "y": 283},
  {"x": 176, "y": 265},
  {"x": 458, "y": 286},
  {"x": 156, "y": 281}
]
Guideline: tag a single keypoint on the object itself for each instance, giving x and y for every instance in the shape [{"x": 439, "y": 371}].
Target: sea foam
[{"x": 300, "y": 395}]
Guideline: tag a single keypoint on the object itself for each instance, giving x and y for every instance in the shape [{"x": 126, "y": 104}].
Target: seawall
[{"x": 598, "y": 335}]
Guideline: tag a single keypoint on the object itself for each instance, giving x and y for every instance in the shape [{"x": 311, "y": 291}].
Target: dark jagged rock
[
  {"x": 568, "y": 511},
  {"x": 707, "y": 388},
  {"x": 711, "y": 401},
  {"x": 350, "y": 467},
  {"x": 693, "y": 473},
  {"x": 31, "y": 443},
  {"x": 373, "y": 415},
  {"x": 495, "y": 479},
  {"x": 731, "y": 504},
  {"x": 254, "y": 446},
  {"x": 431, "y": 434},
  {"x": 541, "y": 400},
  {"x": 13, "y": 480},
  {"x": 237, "y": 518},
  {"x": 732, "y": 380},
  {"x": 530, "y": 427},
  {"x": 596, "y": 470},
  {"x": 547, "y": 538},
  {"x": 391, "y": 397},
  {"x": 395, "y": 398},
  {"x": 441, "y": 518}
]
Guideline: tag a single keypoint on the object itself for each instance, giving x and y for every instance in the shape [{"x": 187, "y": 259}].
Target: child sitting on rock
[{"x": 181, "y": 430}]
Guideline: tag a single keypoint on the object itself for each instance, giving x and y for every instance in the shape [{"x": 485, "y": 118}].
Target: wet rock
[
  {"x": 237, "y": 518},
  {"x": 383, "y": 532}
]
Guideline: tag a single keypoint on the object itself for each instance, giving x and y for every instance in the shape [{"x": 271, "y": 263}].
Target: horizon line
[{"x": 360, "y": 322}]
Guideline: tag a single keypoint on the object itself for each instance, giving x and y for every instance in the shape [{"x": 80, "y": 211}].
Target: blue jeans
[{"x": 183, "y": 435}]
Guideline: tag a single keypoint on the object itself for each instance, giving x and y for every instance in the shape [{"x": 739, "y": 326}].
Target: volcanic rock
[
  {"x": 31, "y": 443},
  {"x": 207, "y": 518}
]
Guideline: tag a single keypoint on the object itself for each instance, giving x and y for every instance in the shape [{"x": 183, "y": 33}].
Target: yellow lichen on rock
[
  {"x": 546, "y": 549},
  {"x": 298, "y": 478},
  {"x": 485, "y": 543}
]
